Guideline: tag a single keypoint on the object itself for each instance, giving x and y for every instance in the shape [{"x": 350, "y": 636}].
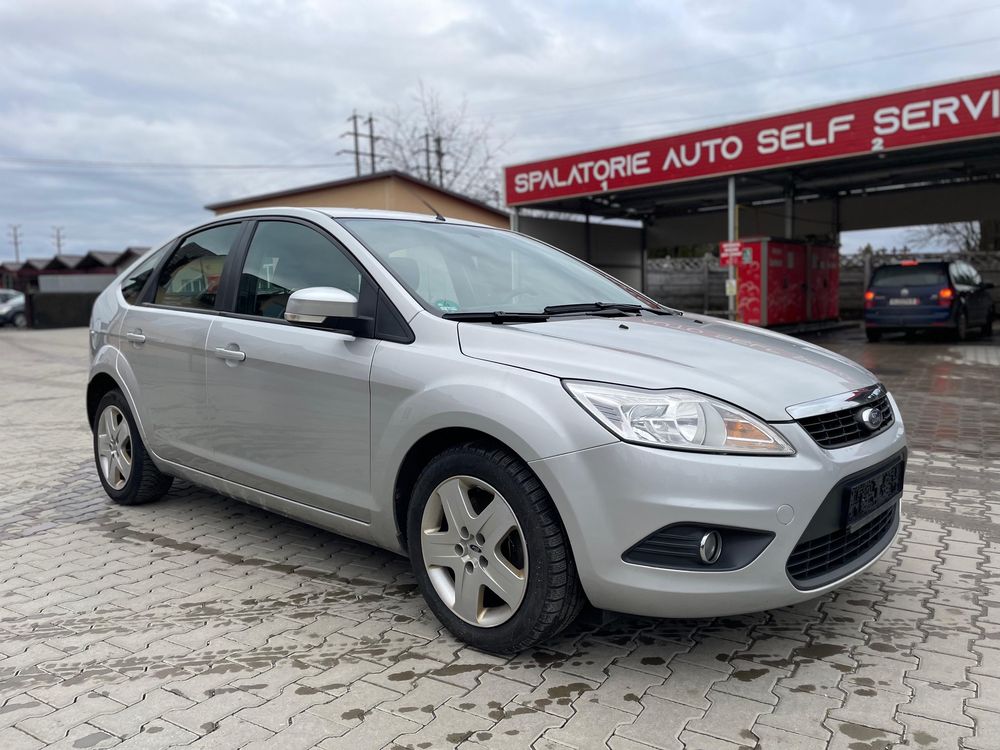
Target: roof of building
[
  {"x": 60, "y": 262},
  {"x": 386, "y": 174}
]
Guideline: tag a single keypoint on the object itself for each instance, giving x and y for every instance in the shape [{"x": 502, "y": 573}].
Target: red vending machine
[
  {"x": 823, "y": 282},
  {"x": 783, "y": 282}
]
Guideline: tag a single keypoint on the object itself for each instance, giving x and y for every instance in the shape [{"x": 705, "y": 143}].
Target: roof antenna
[{"x": 419, "y": 197}]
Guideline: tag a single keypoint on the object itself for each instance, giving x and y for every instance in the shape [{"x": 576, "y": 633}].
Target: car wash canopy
[{"x": 918, "y": 133}]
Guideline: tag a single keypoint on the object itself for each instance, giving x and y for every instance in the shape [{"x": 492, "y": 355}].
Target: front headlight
[{"x": 677, "y": 419}]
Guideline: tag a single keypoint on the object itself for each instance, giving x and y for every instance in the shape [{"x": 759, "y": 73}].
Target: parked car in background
[
  {"x": 12, "y": 308},
  {"x": 916, "y": 295},
  {"x": 528, "y": 430}
]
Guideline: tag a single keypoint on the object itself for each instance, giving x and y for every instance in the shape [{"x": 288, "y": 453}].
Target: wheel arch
[
  {"x": 97, "y": 388},
  {"x": 420, "y": 454}
]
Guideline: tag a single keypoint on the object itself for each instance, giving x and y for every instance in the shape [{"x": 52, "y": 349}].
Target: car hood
[{"x": 758, "y": 370}]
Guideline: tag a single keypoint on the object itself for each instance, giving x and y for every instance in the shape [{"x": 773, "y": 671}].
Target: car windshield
[
  {"x": 920, "y": 275},
  {"x": 454, "y": 268}
]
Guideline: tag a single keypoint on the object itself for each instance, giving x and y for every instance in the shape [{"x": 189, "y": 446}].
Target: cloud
[{"x": 239, "y": 81}]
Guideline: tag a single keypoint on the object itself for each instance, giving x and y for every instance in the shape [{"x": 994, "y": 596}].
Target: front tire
[
  {"x": 489, "y": 552},
  {"x": 127, "y": 473},
  {"x": 20, "y": 320}
]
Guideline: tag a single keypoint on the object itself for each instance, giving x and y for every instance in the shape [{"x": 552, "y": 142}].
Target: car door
[
  {"x": 163, "y": 345},
  {"x": 290, "y": 404}
]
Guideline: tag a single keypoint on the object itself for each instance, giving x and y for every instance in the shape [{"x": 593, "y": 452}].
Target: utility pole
[
  {"x": 427, "y": 154},
  {"x": 357, "y": 135},
  {"x": 353, "y": 119},
  {"x": 440, "y": 159},
  {"x": 371, "y": 140},
  {"x": 57, "y": 238},
  {"x": 15, "y": 238}
]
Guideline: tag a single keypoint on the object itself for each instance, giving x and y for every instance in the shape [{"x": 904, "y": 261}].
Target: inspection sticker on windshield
[{"x": 446, "y": 305}]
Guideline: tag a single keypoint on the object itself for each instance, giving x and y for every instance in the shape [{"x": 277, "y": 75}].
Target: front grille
[
  {"x": 816, "y": 562},
  {"x": 839, "y": 428}
]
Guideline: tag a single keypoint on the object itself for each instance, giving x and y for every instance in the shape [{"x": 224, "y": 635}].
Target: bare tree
[
  {"x": 959, "y": 237},
  {"x": 443, "y": 145}
]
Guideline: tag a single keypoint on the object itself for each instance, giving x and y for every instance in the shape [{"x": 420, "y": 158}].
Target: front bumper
[{"x": 613, "y": 496}]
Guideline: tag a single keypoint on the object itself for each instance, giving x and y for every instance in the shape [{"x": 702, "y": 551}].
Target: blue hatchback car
[{"x": 914, "y": 295}]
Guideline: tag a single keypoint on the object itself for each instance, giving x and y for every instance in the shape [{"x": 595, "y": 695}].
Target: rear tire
[
  {"x": 873, "y": 336},
  {"x": 533, "y": 559},
  {"x": 20, "y": 320},
  {"x": 127, "y": 473},
  {"x": 962, "y": 327}
]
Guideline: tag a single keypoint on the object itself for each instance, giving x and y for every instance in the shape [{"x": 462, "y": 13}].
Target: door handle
[
  {"x": 136, "y": 336},
  {"x": 231, "y": 354}
]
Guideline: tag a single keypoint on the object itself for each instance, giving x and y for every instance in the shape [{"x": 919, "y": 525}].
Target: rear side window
[
  {"x": 900, "y": 276},
  {"x": 190, "y": 278},
  {"x": 135, "y": 282},
  {"x": 285, "y": 257}
]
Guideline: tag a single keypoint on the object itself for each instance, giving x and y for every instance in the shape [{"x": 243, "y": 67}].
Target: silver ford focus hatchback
[{"x": 531, "y": 432}]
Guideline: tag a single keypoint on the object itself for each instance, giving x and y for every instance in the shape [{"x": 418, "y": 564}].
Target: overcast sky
[{"x": 236, "y": 82}]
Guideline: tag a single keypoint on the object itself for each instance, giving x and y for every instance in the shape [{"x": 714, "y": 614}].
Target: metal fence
[{"x": 699, "y": 284}]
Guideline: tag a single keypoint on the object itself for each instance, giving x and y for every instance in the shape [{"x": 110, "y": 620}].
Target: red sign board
[
  {"x": 918, "y": 117},
  {"x": 729, "y": 253}
]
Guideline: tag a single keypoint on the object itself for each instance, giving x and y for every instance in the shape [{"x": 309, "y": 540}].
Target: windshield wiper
[
  {"x": 596, "y": 307},
  {"x": 497, "y": 316}
]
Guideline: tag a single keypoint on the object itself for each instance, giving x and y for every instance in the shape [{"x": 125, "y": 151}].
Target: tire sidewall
[
  {"x": 127, "y": 494},
  {"x": 465, "y": 461}
]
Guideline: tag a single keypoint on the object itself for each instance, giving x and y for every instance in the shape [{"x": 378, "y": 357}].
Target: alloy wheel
[
  {"x": 474, "y": 551},
  {"x": 114, "y": 447}
]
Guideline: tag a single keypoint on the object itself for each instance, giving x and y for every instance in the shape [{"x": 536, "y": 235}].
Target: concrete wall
[
  {"x": 59, "y": 309},
  {"x": 698, "y": 284},
  {"x": 74, "y": 282},
  {"x": 389, "y": 193}
]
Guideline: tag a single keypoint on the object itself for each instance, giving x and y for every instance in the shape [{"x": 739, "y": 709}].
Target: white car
[{"x": 531, "y": 432}]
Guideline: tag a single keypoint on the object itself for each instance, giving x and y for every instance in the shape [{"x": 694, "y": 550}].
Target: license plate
[
  {"x": 867, "y": 497},
  {"x": 903, "y": 301}
]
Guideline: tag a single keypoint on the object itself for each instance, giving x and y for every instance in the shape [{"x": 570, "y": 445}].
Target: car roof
[
  {"x": 913, "y": 263},
  {"x": 346, "y": 213}
]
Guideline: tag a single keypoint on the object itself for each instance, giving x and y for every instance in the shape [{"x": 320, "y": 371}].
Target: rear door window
[
  {"x": 190, "y": 278},
  {"x": 135, "y": 282},
  {"x": 896, "y": 277}
]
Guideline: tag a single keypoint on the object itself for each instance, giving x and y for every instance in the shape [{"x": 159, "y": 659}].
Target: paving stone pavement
[{"x": 202, "y": 622}]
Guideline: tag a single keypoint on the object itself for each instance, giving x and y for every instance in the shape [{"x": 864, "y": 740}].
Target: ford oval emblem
[{"x": 872, "y": 417}]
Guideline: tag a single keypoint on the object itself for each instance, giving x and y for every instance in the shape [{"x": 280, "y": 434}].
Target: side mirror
[{"x": 324, "y": 306}]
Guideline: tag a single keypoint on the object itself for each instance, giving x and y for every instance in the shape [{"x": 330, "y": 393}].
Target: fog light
[{"x": 710, "y": 547}]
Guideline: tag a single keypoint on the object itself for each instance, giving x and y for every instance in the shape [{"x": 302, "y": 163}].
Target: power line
[
  {"x": 741, "y": 58},
  {"x": 673, "y": 94},
  {"x": 22, "y": 162}
]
